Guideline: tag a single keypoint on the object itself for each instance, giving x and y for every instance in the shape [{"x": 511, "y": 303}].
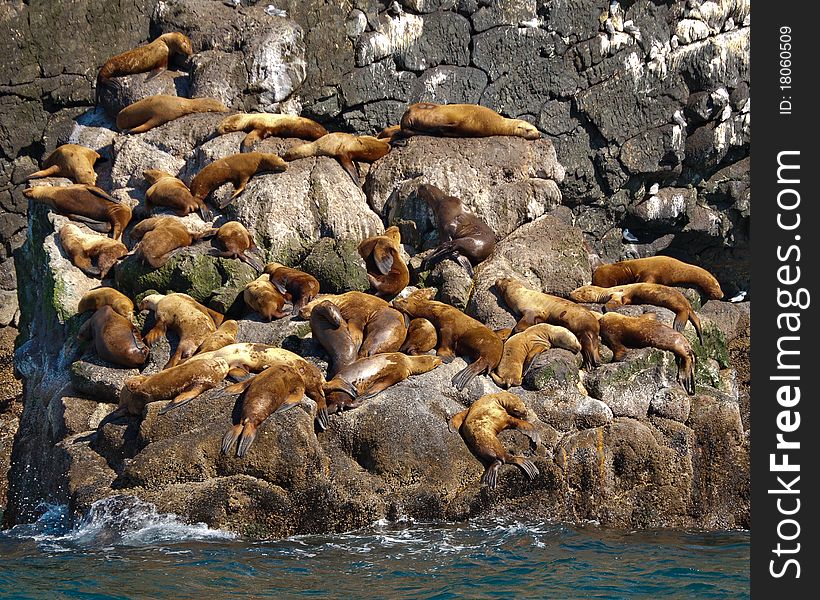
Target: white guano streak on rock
[{"x": 277, "y": 70}]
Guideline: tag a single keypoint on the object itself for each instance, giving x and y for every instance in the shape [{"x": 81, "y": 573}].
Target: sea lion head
[
  {"x": 526, "y": 130},
  {"x": 178, "y": 42},
  {"x": 38, "y": 191},
  {"x": 590, "y": 293},
  {"x": 154, "y": 175},
  {"x": 150, "y": 302}
]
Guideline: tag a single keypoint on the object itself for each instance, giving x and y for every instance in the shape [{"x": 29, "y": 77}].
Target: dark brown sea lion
[
  {"x": 522, "y": 348},
  {"x": 386, "y": 271},
  {"x": 302, "y": 287},
  {"x": 160, "y": 237},
  {"x": 537, "y": 307},
  {"x": 330, "y": 329},
  {"x": 480, "y": 425},
  {"x": 166, "y": 190},
  {"x": 642, "y": 293},
  {"x": 620, "y": 332},
  {"x": 657, "y": 269},
  {"x": 261, "y": 296},
  {"x": 371, "y": 375},
  {"x": 421, "y": 337},
  {"x": 191, "y": 321},
  {"x": 463, "y": 236},
  {"x": 153, "y": 111},
  {"x": 109, "y": 296},
  {"x": 237, "y": 169},
  {"x": 260, "y": 126},
  {"x": 84, "y": 203},
  {"x": 345, "y": 148},
  {"x": 461, "y": 120},
  {"x": 116, "y": 340},
  {"x": 459, "y": 334},
  {"x": 83, "y": 248},
  {"x": 237, "y": 242},
  {"x": 71, "y": 161}
]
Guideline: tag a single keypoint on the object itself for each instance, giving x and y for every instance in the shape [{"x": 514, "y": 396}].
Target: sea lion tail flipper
[
  {"x": 256, "y": 264},
  {"x": 287, "y": 405},
  {"x": 537, "y": 349},
  {"x": 98, "y": 226},
  {"x": 246, "y": 438},
  {"x": 230, "y": 437},
  {"x": 101, "y": 193},
  {"x": 239, "y": 373},
  {"x": 205, "y": 212},
  {"x": 466, "y": 375},
  {"x": 465, "y": 262},
  {"x": 48, "y": 172},
  {"x": 490, "y": 476},
  {"x": 526, "y": 465},
  {"x": 234, "y": 388},
  {"x": 350, "y": 167},
  {"x": 384, "y": 258},
  {"x": 454, "y": 424},
  {"x": 693, "y": 317}
]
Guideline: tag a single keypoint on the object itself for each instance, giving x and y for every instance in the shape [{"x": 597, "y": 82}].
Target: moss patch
[{"x": 337, "y": 265}]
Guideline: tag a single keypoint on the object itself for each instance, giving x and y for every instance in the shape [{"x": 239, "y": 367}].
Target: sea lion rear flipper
[
  {"x": 154, "y": 72},
  {"x": 536, "y": 349},
  {"x": 250, "y": 140},
  {"x": 454, "y": 424},
  {"x": 184, "y": 397},
  {"x": 286, "y": 406},
  {"x": 693, "y": 317},
  {"x": 348, "y": 165},
  {"x": 246, "y": 438},
  {"x": 98, "y": 226},
  {"x": 101, "y": 193},
  {"x": 239, "y": 373},
  {"x": 205, "y": 212},
  {"x": 490, "y": 476},
  {"x": 467, "y": 374},
  {"x": 253, "y": 262},
  {"x": 465, "y": 262},
  {"x": 207, "y": 233},
  {"x": 278, "y": 285},
  {"x": 230, "y": 437},
  {"x": 526, "y": 465},
  {"x": 235, "y": 388},
  {"x": 44, "y": 172},
  {"x": 383, "y": 258}
]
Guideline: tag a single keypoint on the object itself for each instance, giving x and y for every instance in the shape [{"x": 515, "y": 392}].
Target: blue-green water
[{"x": 138, "y": 553}]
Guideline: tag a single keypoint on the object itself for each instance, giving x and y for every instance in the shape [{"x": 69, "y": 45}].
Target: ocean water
[{"x": 132, "y": 551}]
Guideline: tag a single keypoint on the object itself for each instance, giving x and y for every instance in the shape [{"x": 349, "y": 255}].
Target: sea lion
[
  {"x": 302, "y": 287},
  {"x": 153, "y": 56},
  {"x": 225, "y": 335},
  {"x": 180, "y": 384},
  {"x": 390, "y": 133},
  {"x": 480, "y": 425},
  {"x": 116, "y": 340},
  {"x": 459, "y": 334},
  {"x": 330, "y": 329},
  {"x": 461, "y": 120},
  {"x": 462, "y": 235},
  {"x": 86, "y": 203},
  {"x": 537, "y": 307},
  {"x": 160, "y": 237},
  {"x": 522, "y": 348},
  {"x": 72, "y": 161},
  {"x": 262, "y": 297},
  {"x": 191, "y": 321},
  {"x": 345, "y": 148},
  {"x": 236, "y": 168},
  {"x": 657, "y": 269},
  {"x": 237, "y": 242},
  {"x": 421, "y": 337},
  {"x": 260, "y": 126},
  {"x": 102, "y": 296},
  {"x": 83, "y": 248},
  {"x": 620, "y": 332},
  {"x": 371, "y": 375},
  {"x": 386, "y": 271},
  {"x": 642, "y": 293},
  {"x": 153, "y": 111},
  {"x": 166, "y": 190}
]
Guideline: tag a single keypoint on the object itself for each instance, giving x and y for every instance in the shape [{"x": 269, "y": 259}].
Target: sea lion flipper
[
  {"x": 230, "y": 437},
  {"x": 490, "y": 476},
  {"x": 454, "y": 424},
  {"x": 348, "y": 165},
  {"x": 250, "y": 140},
  {"x": 258, "y": 266},
  {"x": 184, "y": 397},
  {"x": 246, "y": 438},
  {"x": 526, "y": 465},
  {"x": 101, "y": 193},
  {"x": 465, "y": 262},
  {"x": 48, "y": 172},
  {"x": 205, "y": 212},
  {"x": 286, "y": 406},
  {"x": 383, "y": 258}
]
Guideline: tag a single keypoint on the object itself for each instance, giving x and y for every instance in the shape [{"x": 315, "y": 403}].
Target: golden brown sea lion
[
  {"x": 238, "y": 243},
  {"x": 371, "y": 375},
  {"x": 116, "y": 340},
  {"x": 461, "y": 120},
  {"x": 522, "y": 348},
  {"x": 191, "y": 321},
  {"x": 153, "y": 56},
  {"x": 85, "y": 203},
  {"x": 160, "y": 237},
  {"x": 390, "y": 133},
  {"x": 166, "y": 190},
  {"x": 459, "y": 334},
  {"x": 153, "y": 111},
  {"x": 260, "y": 126},
  {"x": 71, "y": 161},
  {"x": 642, "y": 293},
  {"x": 330, "y": 329},
  {"x": 225, "y": 335},
  {"x": 345, "y": 148},
  {"x": 83, "y": 248},
  {"x": 620, "y": 332},
  {"x": 109, "y": 296},
  {"x": 657, "y": 269},
  {"x": 300, "y": 286},
  {"x": 386, "y": 271},
  {"x": 421, "y": 337},
  {"x": 462, "y": 235},
  {"x": 236, "y": 168},
  {"x": 262, "y": 297},
  {"x": 537, "y": 307},
  {"x": 480, "y": 425}
]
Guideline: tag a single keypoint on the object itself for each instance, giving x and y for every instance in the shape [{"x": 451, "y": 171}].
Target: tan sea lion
[
  {"x": 462, "y": 235},
  {"x": 166, "y": 190},
  {"x": 85, "y": 203},
  {"x": 345, "y": 148},
  {"x": 160, "y": 237},
  {"x": 390, "y": 133},
  {"x": 371, "y": 375},
  {"x": 260, "y": 126},
  {"x": 225, "y": 335},
  {"x": 72, "y": 161},
  {"x": 153, "y": 111},
  {"x": 386, "y": 271},
  {"x": 522, "y": 348},
  {"x": 300, "y": 286},
  {"x": 153, "y": 56},
  {"x": 330, "y": 329},
  {"x": 238, "y": 243},
  {"x": 459, "y": 334},
  {"x": 262, "y": 297},
  {"x": 191, "y": 321},
  {"x": 657, "y": 269},
  {"x": 537, "y": 307},
  {"x": 102, "y": 296},
  {"x": 642, "y": 293},
  {"x": 620, "y": 332},
  {"x": 116, "y": 340},
  {"x": 237, "y": 169},
  {"x": 421, "y": 337},
  {"x": 461, "y": 120},
  {"x": 480, "y": 425},
  {"x": 83, "y": 248}
]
